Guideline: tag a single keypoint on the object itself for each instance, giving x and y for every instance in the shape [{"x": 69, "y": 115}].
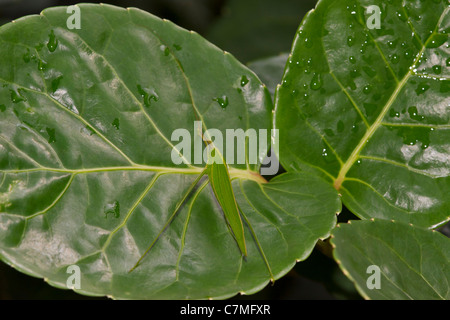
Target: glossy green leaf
[
  {"x": 414, "y": 263},
  {"x": 369, "y": 108},
  {"x": 86, "y": 173}
]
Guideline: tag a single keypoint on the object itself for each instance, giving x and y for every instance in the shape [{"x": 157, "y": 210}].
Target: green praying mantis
[{"x": 219, "y": 178}]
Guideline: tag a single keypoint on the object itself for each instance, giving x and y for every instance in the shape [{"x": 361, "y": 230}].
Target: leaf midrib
[
  {"x": 234, "y": 173},
  {"x": 379, "y": 121}
]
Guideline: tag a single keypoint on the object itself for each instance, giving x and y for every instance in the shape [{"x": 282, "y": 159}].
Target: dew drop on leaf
[
  {"x": 352, "y": 59},
  {"x": 394, "y": 59},
  {"x": 316, "y": 82},
  {"x": 51, "y": 135},
  {"x": 354, "y": 73},
  {"x": 42, "y": 65},
  {"x": 414, "y": 114},
  {"x": 408, "y": 53},
  {"x": 308, "y": 43},
  {"x": 244, "y": 81},
  {"x": 222, "y": 101},
  {"x": 15, "y": 97},
  {"x": 55, "y": 83},
  {"x": 116, "y": 123},
  {"x": 422, "y": 88},
  {"x": 112, "y": 208},
  {"x": 165, "y": 49},
  {"x": 148, "y": 95},
  {"x": 52, "y": 43},
  {"x": 367, "y": 89},
  {"x": 437, "y": 69},
  {"x": 437, "y": 40},
  {"x": 394, "y": 114},
  {"x": 2, "y": 108},
  {"x": 350, "y": 41},
  {"x": 401, "y": 16}
]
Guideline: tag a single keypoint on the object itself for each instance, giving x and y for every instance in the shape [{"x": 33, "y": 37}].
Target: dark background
[{"x": 250, "y": 30}]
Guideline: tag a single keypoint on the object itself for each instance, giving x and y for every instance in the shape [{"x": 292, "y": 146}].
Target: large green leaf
[
  {"x": 369, "y": 108},
  {"x": 414, "y": 263},
  {"x": 86, "y": 175}
]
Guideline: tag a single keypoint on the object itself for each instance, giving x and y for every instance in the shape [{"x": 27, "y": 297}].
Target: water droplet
[
  {"x": 148, "y": 95},
  {"x": 55, "y": 83},
  {"x": 350, "y": 41},
  {"x": 408, "y": 53},
  {"x": 401, "y": 16},
  {"x": 177, "y": 47},
  {"x": 222, "y": 101},
  {"x": 116, "y": 123},
  {"x": 437, "y": 40},
  {"x": 42, "y": 65},
  {"x": 165, "y": 49},
  {"x": 411, "y": 136},
  {"x": 329, "y": 132},
  {"x": 414, "y": 114},
  {"x": 394, "y": 113},
  {"x": 437, "y": 69},
  {"x": 447, "y": 62},
  {"x": 367, "y": 89},
  {"x": 51, "y": 135},
  {"x": 308, "y": 43},
  {"x": 2, "y": 108},
  {"x": 316, "y": 82},
  {"x": 112, "y": 208},
  {"x": 354, "y": 73},
  {"x": 52, "y": 43},
  {"x": 324, "y": 152},
  {"x": 352, "y": 59},
  {"x": 422, "y": 88},
  {"x": 394, "y": 58},
  {"x": 16, "y": 98},
  {"x": 244, "y": 81}
]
